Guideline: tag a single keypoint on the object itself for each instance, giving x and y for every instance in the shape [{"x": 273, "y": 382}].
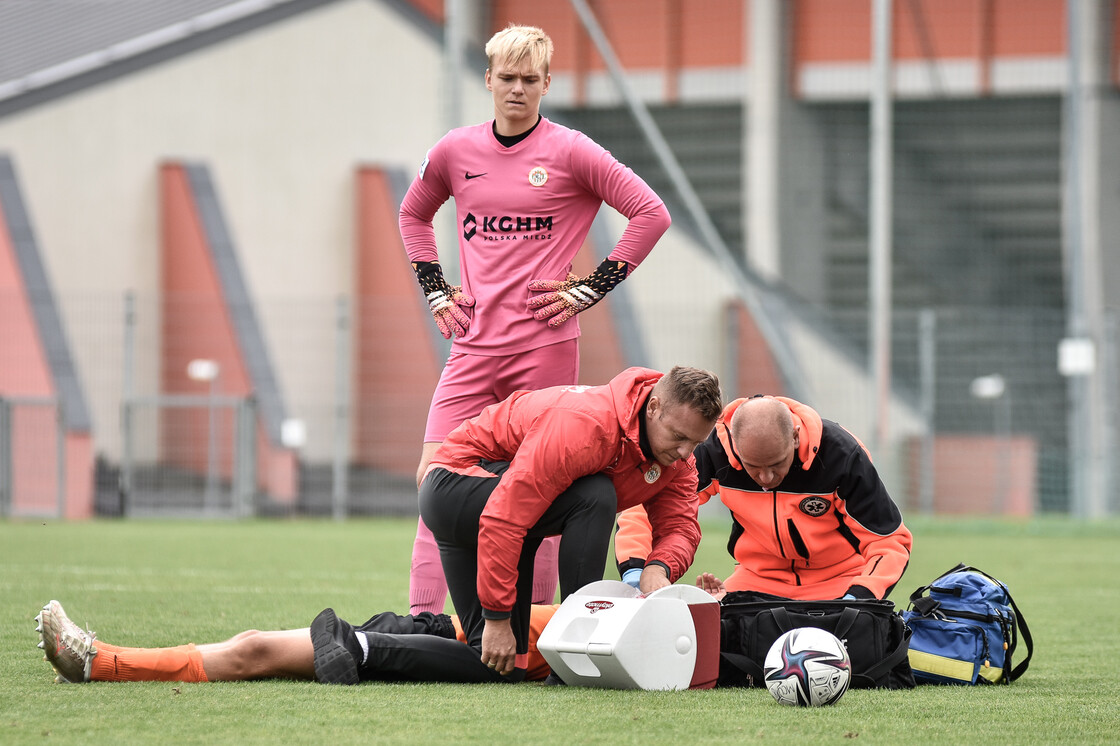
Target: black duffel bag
[{"x": 873, "y": 632}]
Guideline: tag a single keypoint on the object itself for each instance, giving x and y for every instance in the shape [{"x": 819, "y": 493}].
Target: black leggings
[
  {"x": 421, "y": 648},
  {"x": 583, "y": 516}
]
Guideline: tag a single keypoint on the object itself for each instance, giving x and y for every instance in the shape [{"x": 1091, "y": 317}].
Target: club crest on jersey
[
  {"x": 653, "y": 473},
  {"x": 538, "y": 177},
  {"x": 814, "y": 506}
]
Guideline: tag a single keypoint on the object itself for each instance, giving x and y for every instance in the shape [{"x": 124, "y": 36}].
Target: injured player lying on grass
[{"x": 388, "y": 647}]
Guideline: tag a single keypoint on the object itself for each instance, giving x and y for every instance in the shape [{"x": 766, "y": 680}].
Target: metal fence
[
  {"x": 999, "y": 441},
  {"x": 200, "y": 453},
  {"x": 214, "y": 476},
  {"x": 37, "y": 487}
]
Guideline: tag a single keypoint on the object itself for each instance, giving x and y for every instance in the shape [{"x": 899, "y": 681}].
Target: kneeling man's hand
[
  {"x": 653, "y": 577},
  {"x": 499, "y": 647}
]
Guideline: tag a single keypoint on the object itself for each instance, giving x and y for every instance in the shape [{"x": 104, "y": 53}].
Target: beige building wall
[{"x": 281, "y": 115}]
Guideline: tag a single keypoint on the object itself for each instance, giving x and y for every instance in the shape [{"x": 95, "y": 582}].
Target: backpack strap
[
  {"x": 916, "y": 596},
  {"x": 781, "y": 618},
  {"x": 843, "y": 625},
  {"x": 1022, "y": 624},
  {"x": 755, "y": 675},
  {"x": 891, "y": 659},
  {"x": 925, "y": 605},
  {"x": 848, "y": 617}
]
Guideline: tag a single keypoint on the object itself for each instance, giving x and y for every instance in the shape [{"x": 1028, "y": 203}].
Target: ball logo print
[{"x": 807, "y": 667}]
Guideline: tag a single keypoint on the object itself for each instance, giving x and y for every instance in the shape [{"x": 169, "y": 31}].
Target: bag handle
[
  {"x": 892, "y": 659},
  {"x": 959, "y": 568},
  {"x": 755, "y": 675},
  {"x": 1022, "y": 624},
  {"x": 843, "y": 625}
]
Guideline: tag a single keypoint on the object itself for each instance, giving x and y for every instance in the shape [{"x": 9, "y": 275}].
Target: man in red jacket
[
  {"x": 562, "y": 462},
  {"x": 811, "y": 518}
]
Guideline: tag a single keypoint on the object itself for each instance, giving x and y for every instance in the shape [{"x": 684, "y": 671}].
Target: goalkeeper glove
[
  {"x": 563, "y": 299},
  {"x": 444, "y": 300}
]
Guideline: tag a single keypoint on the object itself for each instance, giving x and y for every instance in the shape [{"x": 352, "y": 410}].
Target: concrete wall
[{"x": 283, "y": 116}]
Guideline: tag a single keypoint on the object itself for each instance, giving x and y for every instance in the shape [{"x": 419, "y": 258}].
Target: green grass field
[{"x": 156, "y": 583}]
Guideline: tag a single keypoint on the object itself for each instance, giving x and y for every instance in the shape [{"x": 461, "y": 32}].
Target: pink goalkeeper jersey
[{"x": 523, "y": 213}]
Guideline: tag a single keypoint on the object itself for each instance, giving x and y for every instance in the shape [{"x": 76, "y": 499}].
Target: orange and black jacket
[{"x": 829, "y": 529}]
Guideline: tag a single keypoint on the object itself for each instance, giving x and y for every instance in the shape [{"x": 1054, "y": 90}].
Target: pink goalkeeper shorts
[{"x": 470, "y": 383}]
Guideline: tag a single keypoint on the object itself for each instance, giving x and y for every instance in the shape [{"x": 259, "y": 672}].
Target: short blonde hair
[{"x": 514, "y": 44}]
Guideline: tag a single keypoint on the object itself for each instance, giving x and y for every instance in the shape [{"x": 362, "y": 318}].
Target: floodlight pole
[
  {"x": 880, "y": 219},
  {"x": 340, "y": 483},
  {"x": 1090, "y": 450},
  {"x": 453, "y": 44}
]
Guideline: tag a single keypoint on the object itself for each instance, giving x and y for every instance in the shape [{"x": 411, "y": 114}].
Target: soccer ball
[{"x": 807, "y": 667}]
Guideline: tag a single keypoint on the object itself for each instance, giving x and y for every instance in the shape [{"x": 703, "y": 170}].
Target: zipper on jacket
[
  {"x": 778, "y": 538},
  {"x": 777, "y": 528},
  {"x": 795, "y": 537}
]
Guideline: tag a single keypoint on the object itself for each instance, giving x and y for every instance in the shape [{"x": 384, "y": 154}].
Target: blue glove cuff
[{"x": 633, "y": 577}]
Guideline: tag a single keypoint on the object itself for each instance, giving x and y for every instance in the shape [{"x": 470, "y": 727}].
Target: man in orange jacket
[
  {"x": 811, "y": 517},
  {"x": 562, "y": 462}
]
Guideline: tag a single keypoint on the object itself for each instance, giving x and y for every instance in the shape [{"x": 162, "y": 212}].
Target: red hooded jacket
[{"x": 552, "y": 437}]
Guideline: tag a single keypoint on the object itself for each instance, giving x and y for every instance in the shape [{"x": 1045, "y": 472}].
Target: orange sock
[{"x": 112, "y": 663}]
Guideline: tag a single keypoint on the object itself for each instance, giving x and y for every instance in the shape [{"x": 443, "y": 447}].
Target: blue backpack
[{"x": 965, "y": 628}]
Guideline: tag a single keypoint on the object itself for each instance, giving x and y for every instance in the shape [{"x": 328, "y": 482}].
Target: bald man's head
[{"x": 765, "y": 440}]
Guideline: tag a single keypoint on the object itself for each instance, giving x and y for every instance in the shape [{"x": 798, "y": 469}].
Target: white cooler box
[{"x": 607, "y": 635}]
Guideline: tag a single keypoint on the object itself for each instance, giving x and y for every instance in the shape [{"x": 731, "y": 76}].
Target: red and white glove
[
  {"x": 563, "y": 299},
  {"x": 446, "y": 302}
]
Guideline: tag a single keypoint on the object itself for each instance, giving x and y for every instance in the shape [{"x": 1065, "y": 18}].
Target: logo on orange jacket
[{"x": 814, "y": 506}]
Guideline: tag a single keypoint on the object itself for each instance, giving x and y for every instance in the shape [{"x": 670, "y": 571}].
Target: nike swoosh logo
[{"x": 469, "y": 175}]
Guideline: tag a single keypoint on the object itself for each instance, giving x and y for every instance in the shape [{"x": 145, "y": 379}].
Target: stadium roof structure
[{"x": 51, "y": 49}]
